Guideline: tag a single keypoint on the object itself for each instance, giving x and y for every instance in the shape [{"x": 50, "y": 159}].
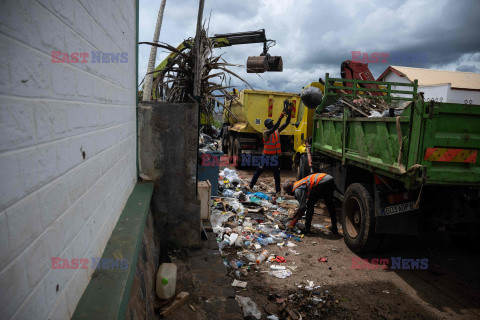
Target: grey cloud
[{"x": 314, "y": 37}]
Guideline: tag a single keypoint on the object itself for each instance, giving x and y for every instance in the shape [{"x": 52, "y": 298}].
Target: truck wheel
[
  {"x": 237, "y": 152},
  {"x": 303, "y": 169},
  {"x": 358, "y": 217},
  {"x": 230, "y": 149}
]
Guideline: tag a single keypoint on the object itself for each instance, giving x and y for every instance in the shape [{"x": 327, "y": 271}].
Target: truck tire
[
  {"x": 303, "y": 169},
  {"x": 237, "y": 152},
  {"x": 230, "y": 149},
  {"x": 358, "y": 219}
]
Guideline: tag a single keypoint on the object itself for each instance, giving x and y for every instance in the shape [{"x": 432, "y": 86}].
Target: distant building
[{"x": 440, "y": 85}]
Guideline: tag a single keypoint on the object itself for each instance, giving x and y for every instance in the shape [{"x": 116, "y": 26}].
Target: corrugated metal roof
[{"x": 431, "y": 77}]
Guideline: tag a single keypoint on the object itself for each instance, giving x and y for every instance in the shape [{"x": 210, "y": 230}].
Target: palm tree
[{"x": 147, "y": 87}]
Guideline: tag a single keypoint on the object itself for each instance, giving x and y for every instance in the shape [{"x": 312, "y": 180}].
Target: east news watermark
[
  {"x": 89, "y": 57},
  {"x": 392, "y": 58},
  {"x": 393, "y": 263},
  {"x": 85, "y": 263},
  {"x": 246, "y": 160}
]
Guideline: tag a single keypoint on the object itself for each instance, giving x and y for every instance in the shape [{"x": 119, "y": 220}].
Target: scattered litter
[
  {"x": 386, "y": 291},
  {"x": 294, "y": 252},
  {"x": 240, "y": 284},
  {"x": 272, "y": 317},
  {"x": 275, "y": 267},
  {"x": 308, "y": 301},
  {"x": 249, "y": 307},
  {"x": 281, "y": 274},
  {"x": 323, "y": 259},
  {"x": 280, "y": 259},
  {"x": 291, "y": 244}
]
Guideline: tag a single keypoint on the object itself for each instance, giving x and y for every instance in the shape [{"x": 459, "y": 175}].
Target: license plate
[{"x": 399, "y": 208}]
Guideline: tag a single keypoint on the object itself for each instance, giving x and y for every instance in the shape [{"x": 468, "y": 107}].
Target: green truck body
[{"x": 437, "y": 143}]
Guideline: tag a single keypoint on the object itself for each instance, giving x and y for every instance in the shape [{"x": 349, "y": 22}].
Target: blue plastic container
[{"x": 209, "y": 168}]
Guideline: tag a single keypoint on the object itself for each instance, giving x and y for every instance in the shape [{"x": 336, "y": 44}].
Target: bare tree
[{"x": 147, "y": 87}]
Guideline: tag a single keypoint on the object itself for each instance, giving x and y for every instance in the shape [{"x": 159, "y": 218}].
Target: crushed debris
[{"x": 371, "y": 107}]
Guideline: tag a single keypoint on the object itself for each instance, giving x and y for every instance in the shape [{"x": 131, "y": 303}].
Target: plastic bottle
[
  {"x": 166, "y": 280},
  {"x": 247, "y": 223},
  {"x": 282, "y": 235},
  {"x": 223, "y": 244},
  {"x": 233, "y": 238},
  {"x": 251, "y": 256},
  {"x": 262, "y": 241},
  {"x": 262, "y": 256}
]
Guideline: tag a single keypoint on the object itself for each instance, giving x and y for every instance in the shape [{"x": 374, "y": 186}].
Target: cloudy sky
[{"x": 315, "y": 36}]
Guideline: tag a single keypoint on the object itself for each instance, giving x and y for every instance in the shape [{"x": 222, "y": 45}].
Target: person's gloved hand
[{"x": 292, "y": 224}]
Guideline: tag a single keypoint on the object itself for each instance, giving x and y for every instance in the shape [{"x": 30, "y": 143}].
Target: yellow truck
[{"x": 243, "y": 122}]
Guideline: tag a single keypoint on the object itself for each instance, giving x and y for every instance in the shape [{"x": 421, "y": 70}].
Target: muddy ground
[{"x": 448, "y": 289}]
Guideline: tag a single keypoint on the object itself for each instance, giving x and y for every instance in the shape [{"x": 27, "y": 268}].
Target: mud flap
[{"x": 401, "y": 223}]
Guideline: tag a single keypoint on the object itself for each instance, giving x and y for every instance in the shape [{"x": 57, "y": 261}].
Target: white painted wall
[
  {"x": 443, "y": 92},
  {"x": 459, "y": 96},
  {"x": 439, "y": 93},
  {"x": 54, "y": 203}
]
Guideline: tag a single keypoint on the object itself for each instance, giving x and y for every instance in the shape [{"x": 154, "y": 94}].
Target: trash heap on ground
[{"x": 249, "y": 226}]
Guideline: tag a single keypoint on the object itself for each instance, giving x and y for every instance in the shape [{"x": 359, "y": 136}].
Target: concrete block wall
[{"x": 67, "y": 146}]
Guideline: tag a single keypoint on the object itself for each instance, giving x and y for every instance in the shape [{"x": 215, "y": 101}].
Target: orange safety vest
[
  {"x": 310, "y": 181},
  {"x": 272, "y": 145}
]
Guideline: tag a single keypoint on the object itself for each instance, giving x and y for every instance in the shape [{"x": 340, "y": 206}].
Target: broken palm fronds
[{"x": 175, "y": 82}]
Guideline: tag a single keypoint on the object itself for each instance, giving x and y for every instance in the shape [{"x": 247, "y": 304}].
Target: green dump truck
[{"x": 407, "y": 174}]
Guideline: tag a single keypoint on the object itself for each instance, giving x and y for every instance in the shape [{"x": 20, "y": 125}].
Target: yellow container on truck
[{"x": 243, "y": 122}]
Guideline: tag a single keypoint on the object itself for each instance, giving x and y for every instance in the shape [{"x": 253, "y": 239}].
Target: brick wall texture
[{"x": 67, "y": 146}]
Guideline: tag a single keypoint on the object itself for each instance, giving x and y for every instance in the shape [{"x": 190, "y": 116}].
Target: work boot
[
  {"x": 307, "y": 232},
  {"x": 334, "y": 230}
]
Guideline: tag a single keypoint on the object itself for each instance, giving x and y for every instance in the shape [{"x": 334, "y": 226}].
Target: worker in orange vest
[
  {"x": 308, "y": 191},
  {"x": 272, "y": 148}
]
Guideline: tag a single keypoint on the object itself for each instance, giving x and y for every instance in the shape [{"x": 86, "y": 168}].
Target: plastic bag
[
  {"x": 227, "y": 193},
  {"x": 230, "y": 175},
  {"x": 249, "y": 307}
]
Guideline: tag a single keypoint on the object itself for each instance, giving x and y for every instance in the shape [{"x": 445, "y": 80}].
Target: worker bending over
[
  {"x": 272, "y": 148},
  {"x": 308, "y": 191}
]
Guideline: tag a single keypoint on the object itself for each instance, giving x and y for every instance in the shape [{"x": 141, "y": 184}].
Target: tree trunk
[{"x": 147, "y": 87}]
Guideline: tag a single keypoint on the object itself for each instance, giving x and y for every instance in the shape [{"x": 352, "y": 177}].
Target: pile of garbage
[
  {"x": 207, "y": 140},
  {"x": 247, "y": 222},
  {"x": 252, "y": 224},
  {"x": 370, "y": 107}
]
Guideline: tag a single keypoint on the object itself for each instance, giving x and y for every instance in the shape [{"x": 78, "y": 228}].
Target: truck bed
[{"x": 439, "y": 141}]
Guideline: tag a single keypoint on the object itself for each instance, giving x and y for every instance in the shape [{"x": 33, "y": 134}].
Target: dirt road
[{"x": 448, "y": 289}]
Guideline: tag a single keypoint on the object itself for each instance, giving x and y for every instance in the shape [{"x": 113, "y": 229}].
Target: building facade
[{"x": 439, "y": 85}]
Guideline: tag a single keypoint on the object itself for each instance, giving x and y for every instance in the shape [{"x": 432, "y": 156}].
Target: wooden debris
[
  {"x": 363, "y": 106},
  {"x": 179, "y": 299}
]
